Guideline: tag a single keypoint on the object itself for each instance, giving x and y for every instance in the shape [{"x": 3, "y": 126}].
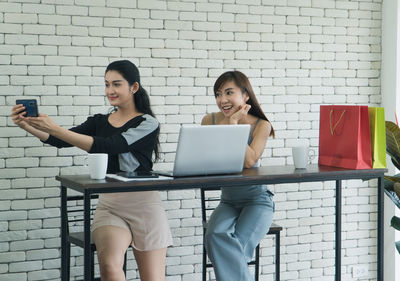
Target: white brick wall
[{"x": 297, "y": 54}]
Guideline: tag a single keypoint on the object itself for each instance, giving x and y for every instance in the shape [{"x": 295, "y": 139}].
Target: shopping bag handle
[{"x": 337, "y": 123}]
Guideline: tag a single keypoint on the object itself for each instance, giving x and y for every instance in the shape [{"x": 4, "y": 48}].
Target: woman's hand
[
  {"x": 238, "y": 115},
  {"x": 17, "y": 115},
  {"x": 43, "y": 123}
]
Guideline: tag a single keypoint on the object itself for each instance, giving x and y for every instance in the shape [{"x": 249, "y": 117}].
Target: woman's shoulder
[
  {"x": 150, "y": 119},
  {"x": 98, "y": 117},
  {"x": 145, "y": 122},
  {"x": 211, "y": 118},
  {"x": 207, "y": 119},
  {"x": 262, "y": 125},
  {"x": 141, "y": 125}
]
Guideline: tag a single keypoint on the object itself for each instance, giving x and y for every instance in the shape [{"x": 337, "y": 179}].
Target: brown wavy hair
[{"x": 242, "y": 82}]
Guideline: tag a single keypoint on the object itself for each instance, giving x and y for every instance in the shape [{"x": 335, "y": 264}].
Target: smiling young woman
[
  {"x": 245, "y": 213},
  {"x": 129, "y": 135}
]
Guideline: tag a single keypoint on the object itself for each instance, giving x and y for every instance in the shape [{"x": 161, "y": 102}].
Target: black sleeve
[{"x": 86, "y": 128}]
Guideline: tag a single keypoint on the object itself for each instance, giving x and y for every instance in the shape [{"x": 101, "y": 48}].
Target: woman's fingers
[
  {"x": 17, "y": 109},
  {"x": 246, "y": 108},
  {"x": 17, "y": 114}
]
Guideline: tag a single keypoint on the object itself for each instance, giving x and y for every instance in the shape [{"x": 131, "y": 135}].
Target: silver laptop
[{"x": 208, "y": 150}]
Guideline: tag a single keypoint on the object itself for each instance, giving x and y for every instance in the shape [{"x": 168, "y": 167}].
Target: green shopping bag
[{"x": 378, "y": 136}]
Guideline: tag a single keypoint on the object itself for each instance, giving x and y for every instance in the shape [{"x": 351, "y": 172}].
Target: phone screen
[
  {"x": 31, "y": 107},
  {"x": 137, "y": 174}
]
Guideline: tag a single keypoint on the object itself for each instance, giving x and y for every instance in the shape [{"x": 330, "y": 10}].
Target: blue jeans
[{"x": 235, "y": 228}]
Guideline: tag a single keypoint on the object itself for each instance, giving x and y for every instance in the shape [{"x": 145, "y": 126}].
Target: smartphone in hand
[
  {"x": 137, "y": 174},
  {"x": 31, "y": 107}
]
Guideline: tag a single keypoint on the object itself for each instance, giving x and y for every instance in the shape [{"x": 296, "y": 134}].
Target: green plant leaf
[
  {"x": 393, "y": 179},
  {"x": 395, "y": 163},
  {"x": 388, "y": 183},
  {"x": 393, "y": 142},
  {"x": 397, "y": 246},
  {"x": 392, "y": 184},
  {"x": 389, "y": 190},
  {"x": 395, "y": 222},
  {"x": 393, "y": 196},
  {"x": 396, "y": 188}
]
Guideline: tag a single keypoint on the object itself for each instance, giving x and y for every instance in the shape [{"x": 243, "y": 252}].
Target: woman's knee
[
  {"x": 110, "y": 269},
  {"x": 215, "y": 237}
]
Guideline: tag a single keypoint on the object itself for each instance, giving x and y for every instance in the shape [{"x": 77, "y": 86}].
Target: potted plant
[{"x": 392, "y": 183}]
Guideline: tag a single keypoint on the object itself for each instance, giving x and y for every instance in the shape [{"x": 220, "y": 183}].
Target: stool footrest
[
  {"x": 76, "y": 238},
  {"x": 274, "y": 228}
]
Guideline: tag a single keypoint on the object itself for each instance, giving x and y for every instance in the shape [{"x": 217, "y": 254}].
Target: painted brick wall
[{"x": 298, "y": 54}]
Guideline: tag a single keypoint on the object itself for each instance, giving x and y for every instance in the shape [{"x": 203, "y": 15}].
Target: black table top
[{"x": 262, "y": 175}]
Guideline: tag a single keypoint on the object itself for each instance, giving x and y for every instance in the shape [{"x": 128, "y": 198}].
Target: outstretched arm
[{"x": 45, "y": 124}]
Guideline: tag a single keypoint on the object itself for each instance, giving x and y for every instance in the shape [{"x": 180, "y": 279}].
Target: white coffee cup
[
  {"x": 302, "y": 156},
  {"x": 97, "y": 163}
]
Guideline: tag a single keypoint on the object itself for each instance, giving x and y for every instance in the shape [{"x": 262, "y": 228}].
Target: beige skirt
[{"x": 141, "y": 213}]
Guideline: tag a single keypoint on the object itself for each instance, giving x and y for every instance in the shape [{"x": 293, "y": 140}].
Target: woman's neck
[
  {"x": 127, "y": 110},
  {"x": 124, "y": 114}
]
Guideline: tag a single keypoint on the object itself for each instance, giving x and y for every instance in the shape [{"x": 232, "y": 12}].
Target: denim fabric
[{"x": 235, "y": 228}]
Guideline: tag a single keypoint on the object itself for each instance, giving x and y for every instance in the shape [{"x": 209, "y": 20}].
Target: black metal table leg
[
  {"x": 338, "y": 232},
  {"x": 64, "y": 242},
  {"x": 380, "y": 228},
  {"x": 278, "y": 256},
  {"x": 86, "y": 229}
]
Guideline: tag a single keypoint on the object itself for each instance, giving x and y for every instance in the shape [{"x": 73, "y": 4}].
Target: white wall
[{"x": 298, "y": 54}]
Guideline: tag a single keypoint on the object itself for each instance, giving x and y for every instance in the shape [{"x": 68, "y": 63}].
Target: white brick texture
[{"x": 298, "y": 55}]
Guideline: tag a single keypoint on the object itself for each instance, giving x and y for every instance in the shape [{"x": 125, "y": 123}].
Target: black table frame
[{"x": 263, "y": 175}]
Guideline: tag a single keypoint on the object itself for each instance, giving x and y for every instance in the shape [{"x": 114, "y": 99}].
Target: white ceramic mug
[
  {"x": 302, "y": 155},
  {"x": 97, "y": 163}
]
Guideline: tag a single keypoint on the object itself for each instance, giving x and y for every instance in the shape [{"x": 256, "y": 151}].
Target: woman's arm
[
  {"x": 75, "y": 139},
  {"x": 43, "y": 136},
  {"x": 260, "y": 136},
  {"x": 256, "y": 148},
  {"x": 45, "y": 124}
]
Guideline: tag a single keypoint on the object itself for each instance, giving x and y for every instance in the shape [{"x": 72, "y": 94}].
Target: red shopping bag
[{"x": 344, "y": 137}]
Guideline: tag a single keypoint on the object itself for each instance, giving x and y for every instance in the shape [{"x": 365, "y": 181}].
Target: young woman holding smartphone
[{"x": 129, "y": 135}]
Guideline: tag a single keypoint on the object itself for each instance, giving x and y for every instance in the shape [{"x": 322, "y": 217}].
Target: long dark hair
[
  {"x": 130, "y": 72},
  {"x": 242, "y": 82}
]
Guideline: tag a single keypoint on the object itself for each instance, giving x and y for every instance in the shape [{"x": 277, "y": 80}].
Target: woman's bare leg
[
  {"x": 151, "y": 264},
  {"x": 111, "y": 244}
]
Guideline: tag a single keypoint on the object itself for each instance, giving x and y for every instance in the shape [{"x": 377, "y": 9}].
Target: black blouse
[{"x": 129, "y": 147}]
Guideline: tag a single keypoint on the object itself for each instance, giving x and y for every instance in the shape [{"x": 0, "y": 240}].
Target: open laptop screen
[{"x": 211, "y": 149}]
